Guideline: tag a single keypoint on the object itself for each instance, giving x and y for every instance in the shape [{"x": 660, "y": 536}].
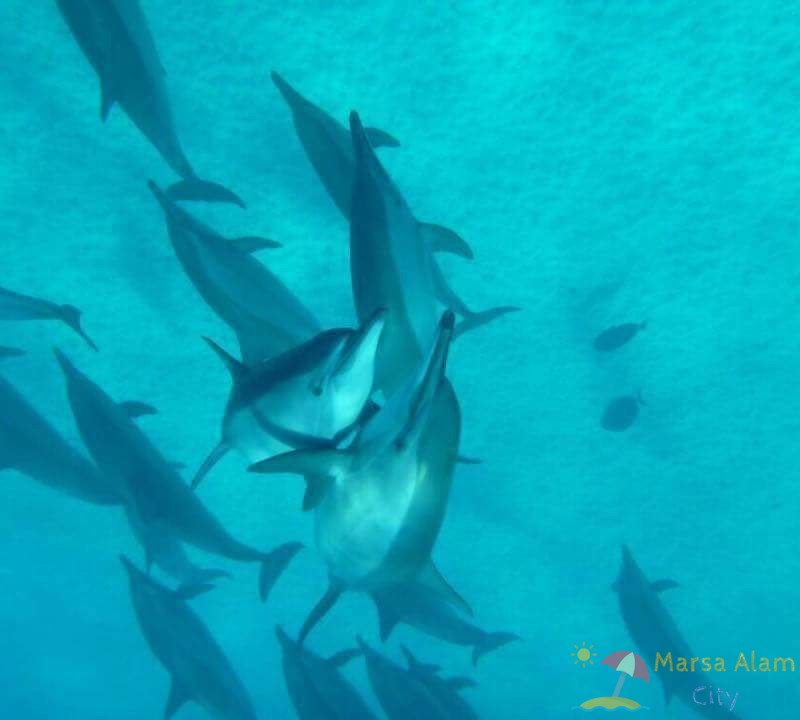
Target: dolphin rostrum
[
  {"x": 15, "y": 306},
  {"x": 265, "y": 315},
  {"x": 316, "y": 686},
  {"x": 115, "y": 38},
  {"x": 30, "y": 445},
  {"x": 416, "y": 605},
  {"x": 381, "y": 501},
  {"x": 165, "y": 512},
  {"x": 313, "y": 395},
  {"x": 653, "y": 630},
  {"x": 182, "y": 643}
]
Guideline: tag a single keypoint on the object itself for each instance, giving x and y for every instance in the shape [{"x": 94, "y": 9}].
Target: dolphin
[
  {"x": 380, "y": 502},
  {"x": 265, "y": 315},
  {"x": 182, "y": 643},
  {"x": 115, "y": 38},
  {"x": 10, "y": 352},
  {"x": 15, "y": 306},
  {"x": 165, "y": 510},
  {"x": 416, "y": 605},
  {"x": 653, "y": 630},
  {"x": 392, "y": 267},
  {"x": 329, "y": 147},
  {"x": 313, "y": 395},
  {"x": 316, "y": 686},
  {"x": 446, "y": 691},
  {"x": 30, "y": 445},
  {"x": 401, "y": 694}
]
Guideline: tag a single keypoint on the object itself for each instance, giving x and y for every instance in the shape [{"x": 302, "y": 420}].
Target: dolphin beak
[
  {"x": 131, "y": 569},
  {"x": 363, "y": 344},
  {"x": 159, "y": 195},
  {"x": 66, "y": 365},
  {"x": 289, "y": 93},
  {"x": 78, "y": 329}
]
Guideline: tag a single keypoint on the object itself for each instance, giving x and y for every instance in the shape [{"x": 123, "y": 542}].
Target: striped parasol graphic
[{"x": 626, "y": 663}]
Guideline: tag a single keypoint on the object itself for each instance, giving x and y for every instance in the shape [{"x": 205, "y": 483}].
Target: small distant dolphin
[
  {"x": 181, "y": 642},
  {"x": 401, "y": 694},
  {"x": 313, "y": 395},
  {"x": 10, "y": 352},
  {"x": 616, "y": 336},
  {"x": 115, "y": 38},
  {"x": 621, "y": 413},
  {"x": 30, "y": 445},
  {"x": 416, "y": 605},
  {"x": 445, "y": 690},
  {"x": 316, "y": 686},
  {"x": 15, "y": 306},
  {"x": 653, "y": 630},
  {"x": 165, "y": 510},
  {"x": 381, "y": 501},
  {"x": 265, "y": 315}
]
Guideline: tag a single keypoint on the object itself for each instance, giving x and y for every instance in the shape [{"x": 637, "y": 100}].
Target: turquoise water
[{"x": 607, "y": 162}]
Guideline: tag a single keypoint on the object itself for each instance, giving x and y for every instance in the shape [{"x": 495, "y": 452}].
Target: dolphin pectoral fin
[
  {"x": 178, "y": 696},
  {"x": 440, "y": 239},
  {"x": 272, "y": 566},
  {"x": 252, "y": 244},
  {"x": 193, "y": 189},
  {"x": 320, "y": 462},
  {"x": 418, "y": 667},
  {"x": 319, "y": 611},
  {"x": 467, "y": 460},
  {"x": 344, "y": 656},
  {"x": 491, "y": 641},
  {"x": 476, "y": 319},
  {"x": 430, "y": 577},
  {"x": 137, "y": 409},
  {"x": 387, "y": 617},
  {"x": 9, "y": 352},
  {"x": 213, "y": 458},
  {"x": 666, "y": 584},
  {"x": 380, "y": 138}
]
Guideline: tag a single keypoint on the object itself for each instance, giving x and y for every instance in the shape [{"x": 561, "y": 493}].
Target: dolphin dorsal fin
[
  {"x": 178, "y": 695},
  {"x": 418, "y": 667},
  {"x": 665, "y": 584},
  {"x": 430, "y": 577},
  {"x": 136, "y": 409},
  {"x": 443, "y": 240},
  {"x": 236, "y": 368},
  {"x": 387, "y": 617},
  {"x": 344, "y": 656},
  {"x": 380, "y": 138}
]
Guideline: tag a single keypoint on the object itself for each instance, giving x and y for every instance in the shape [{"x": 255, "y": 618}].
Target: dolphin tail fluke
[
  {"x": 490, "y": 642},
  {"x": 380, "y": 138},
  {"x": 430, "y": 577},
  {"x": 178, "y": 696},
  {"x": 387, "y": 617},
  {"x": 10, "y": 352},
  {"x": 213, "y": 458},
  {"x": 474, "y": 320},
  {"x": 193, "y": 189},
  {"x": 319, "y": 611},
  {"x": 440, "y": 239},
  {"x": 273, "y": 564}
]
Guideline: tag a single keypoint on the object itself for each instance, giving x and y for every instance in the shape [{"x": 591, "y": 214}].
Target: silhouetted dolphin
[
  {"x": 446, "y": 691},
  {"x": 616, "y": 336},
  {"x": 15, "y": 306},
  {"x": 164, "y": 508},
  {"x": 420, "y": 607},
  {"x": 265, "y": 315},
  {"x": 653, "y": 630},
  {"x": 10, "y": 352},
  {"x": 310, "y": 396},
  {"x": 382, "y": 500},
  {"x": 181, "y": 642},
  {"x": 401, "y": 694},
  {"x": 30, "y": 445},
  {"x": 621, "y": 413},
  {"x": 115, "y": 38},
  {"x": 316, "y": 686},
  {"x": 391, "y": 266}
]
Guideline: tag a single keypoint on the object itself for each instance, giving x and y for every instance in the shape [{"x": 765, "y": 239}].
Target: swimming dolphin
[
  {"x": 653, "y": 630},
  {"x": 265, "y": 315},
  {"x": 616, "y": 336},
  {"x": 10, "y": 352},
  {"x": 15, "y": 306},
  {"x": 418, "y": 606},
  {"x": 165, "y": 510},
  {"x": 446, "y": 691},
  {"x": 316, "y": 686},
  {"x": 30, "y": 445},
  {"x": 621, "y": 412},
  {"x": 313, "y": 395},
  {"x": 401, "y": 694},
  {"x": 381, "y": 501},
  {"x": 391, "y": 266},
  {"x": 115, "y": 38},
  {"x": 329, "y": 147},
  {"x": 181, "y": 642}
]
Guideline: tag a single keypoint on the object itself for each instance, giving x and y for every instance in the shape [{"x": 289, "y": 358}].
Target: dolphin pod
[
  {"x": 115, "y": 38},
  {"x": 166, "y": 513}
]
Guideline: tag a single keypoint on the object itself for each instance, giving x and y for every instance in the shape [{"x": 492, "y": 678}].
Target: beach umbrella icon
[{"x": 626, "y": 663}]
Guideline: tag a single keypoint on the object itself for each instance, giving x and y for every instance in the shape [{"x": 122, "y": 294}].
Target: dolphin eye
[{"x": 316, "y": 390}]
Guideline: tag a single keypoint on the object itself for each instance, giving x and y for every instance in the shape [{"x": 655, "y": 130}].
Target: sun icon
[{"x": 583, "y": 654}]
